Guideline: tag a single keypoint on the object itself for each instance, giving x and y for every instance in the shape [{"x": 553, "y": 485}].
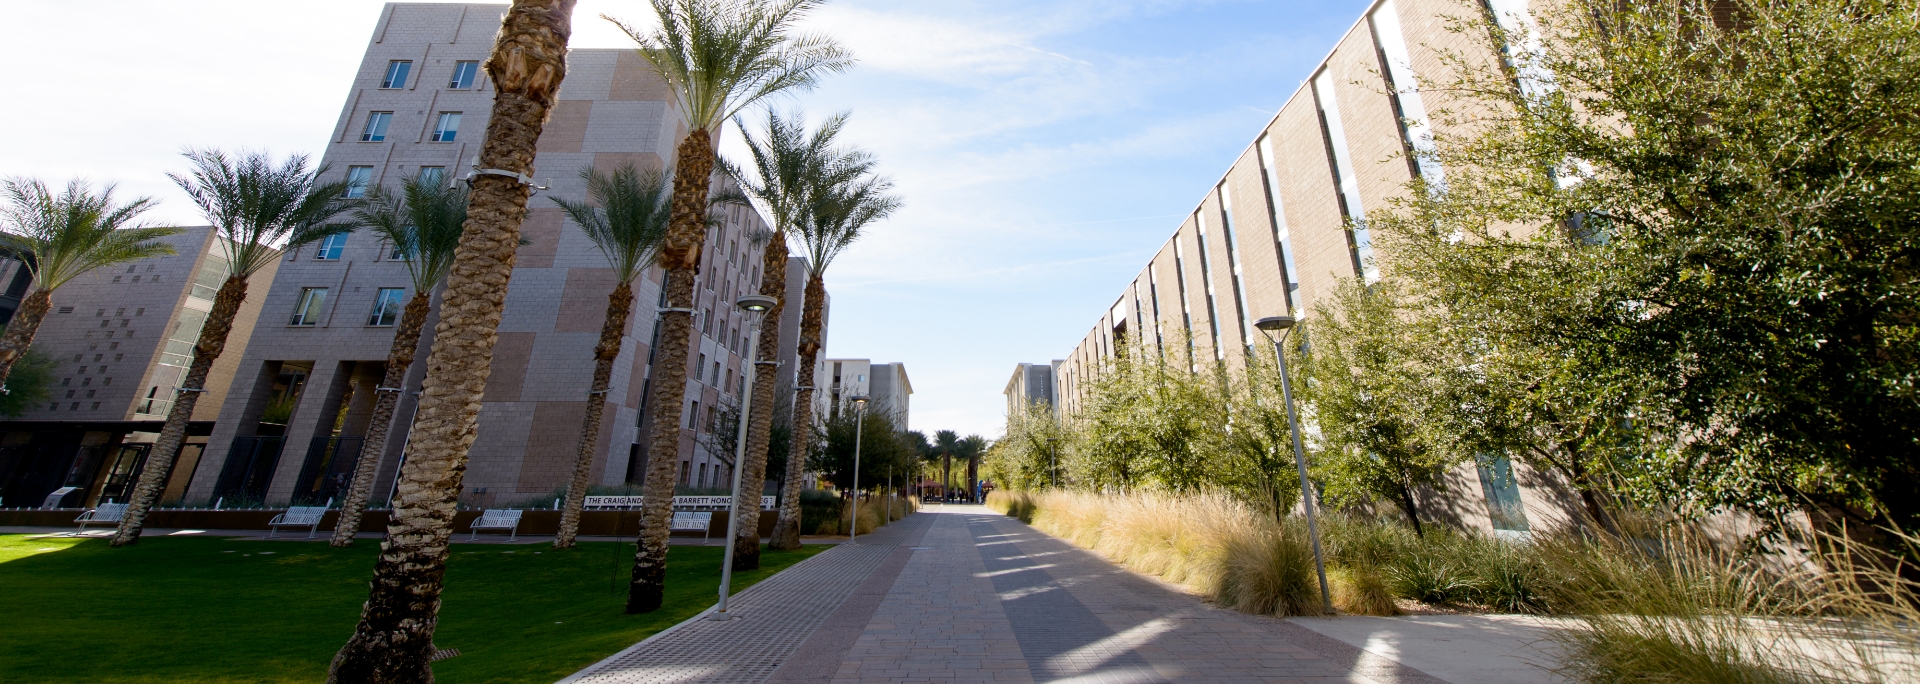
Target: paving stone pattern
[{"x": 961, "y": 594}]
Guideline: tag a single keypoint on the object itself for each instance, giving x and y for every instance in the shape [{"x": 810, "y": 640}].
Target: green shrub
[{"x": 1269, "y": 571}]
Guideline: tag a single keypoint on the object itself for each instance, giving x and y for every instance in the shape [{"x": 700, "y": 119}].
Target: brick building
[
  {"x": 418, "y": 107},
  {"x": 1287, "y": 222}
]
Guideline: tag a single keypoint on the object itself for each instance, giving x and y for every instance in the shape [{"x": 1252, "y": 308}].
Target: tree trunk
[
  {"x": 693, "y": 170},
  {"x": 766, "y": 369},
  {"x": 1583, "y": 483},
  {"x": 394, "y": 639},
  {"x": 786, "y": 533},
  {"x": 406, "y": 343},
  {"x": 612, "y": 332},
  {"x": 1412, "y": 510},
  {"x": 19, "y": 336},
  {"x": 159, "y": 463}
]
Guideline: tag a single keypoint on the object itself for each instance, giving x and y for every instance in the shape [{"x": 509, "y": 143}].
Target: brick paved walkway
[{"x": 961, "y": 594}]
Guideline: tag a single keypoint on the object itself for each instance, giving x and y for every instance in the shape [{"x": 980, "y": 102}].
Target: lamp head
[
  {"x": 1275, "y": 323},
  {"x": 755, "y": 303},
  {"x": 860, "y": 403}
]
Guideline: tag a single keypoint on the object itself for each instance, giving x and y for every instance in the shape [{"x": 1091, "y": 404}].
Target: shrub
[
  {"x": 1268, "y": 570},
  {"x": 1359, "y": 591}
]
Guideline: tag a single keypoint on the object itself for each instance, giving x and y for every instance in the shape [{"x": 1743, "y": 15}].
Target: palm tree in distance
[
  {"x": 423, "y": 223},
  {"x": 718, "y": 57},
  {"x": 836, "y": 218},
  {"x": 58, "y": 237},
  {"x": 945, "y": 442},
  {"x": 259, "y": 209},
  {"x": 394, "y": 640},
  {"x": 792, "y": 166},
  {"x": 972, "y": 448},
  {"x": 627, "y": 225}
]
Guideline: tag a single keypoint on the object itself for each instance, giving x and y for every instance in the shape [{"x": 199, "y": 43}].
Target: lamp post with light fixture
[
  {"x": 754, "y": 305},
  {"x": 859, "y": 424},
  {"x": 1286, "y": 323}
]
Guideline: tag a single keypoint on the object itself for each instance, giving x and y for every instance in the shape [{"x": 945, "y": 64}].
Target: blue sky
[{"x": 1044, "y": 149}]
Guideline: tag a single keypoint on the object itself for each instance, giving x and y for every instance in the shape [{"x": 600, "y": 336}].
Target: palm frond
[
  {"x": 423, "y": 222},
  {"x": 262, "y": 208},
  {"x": 838, "y": 217},
  {"x": 792, "y": 166},
  {"x": 60, "y": 236},
  {"x": 630, "y": 220},
  {"x": 722, "y": 56}
]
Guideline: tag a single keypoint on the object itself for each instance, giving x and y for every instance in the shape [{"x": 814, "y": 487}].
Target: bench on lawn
[
  {"x": 692, "y": 520},
  {"x": 104, "y": 514},
  {"x": 497, "y": 519},
  {"x": 299, "y": 516}
]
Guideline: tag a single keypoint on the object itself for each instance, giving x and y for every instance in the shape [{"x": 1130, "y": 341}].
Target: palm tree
[
  {"x": 423, "y": 222},
  {"x": 394, "y": 639},
  {"x": 972, "y": 448},
  {"x": 945, "y": 442},
  {"x": 792, "y": 166},
  {"x": 718, "y": 57},
  {"x": 627, "y": 226},
  {"x": 835, "y": 219},
  {"x": 59, "y": 237},
  {"x": 259, "y": 209}
]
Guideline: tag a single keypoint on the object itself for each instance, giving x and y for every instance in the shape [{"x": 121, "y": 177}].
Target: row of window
[
  {"x": 445, "y": 128},
  {"x": 387, "y": 304},
  {"x": 464, "y": 74},
  {"x": 360, "y": 177}
]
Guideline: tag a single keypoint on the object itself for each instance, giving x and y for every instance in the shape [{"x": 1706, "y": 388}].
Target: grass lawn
[{"x": 204, "y": 609}]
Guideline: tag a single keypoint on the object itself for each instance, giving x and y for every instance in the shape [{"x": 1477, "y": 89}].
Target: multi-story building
[
  {"x": 418, "y": 108},
  {"x": 122, "y": 337},
  {"x": 1032, "y": 383},
  {"x": 1287, "y": 222},
  {"x": 885, "y": 386}
]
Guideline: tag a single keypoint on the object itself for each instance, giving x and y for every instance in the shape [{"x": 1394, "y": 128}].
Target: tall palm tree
[
  {"x": 946, "y": 442},
  {"x": 259, "y": 209},
  {"x": 791, "y": 167},
  {"x": 718, "y": 57},
  {"x": 627, "y": 226},
  {"x": 394, "y": 640},
  {"x": 423, "y": 222},
  {"x": 59, "y": 237},
  {"x": 972, "y": 448},
  {"x": 835, "y": 219}
]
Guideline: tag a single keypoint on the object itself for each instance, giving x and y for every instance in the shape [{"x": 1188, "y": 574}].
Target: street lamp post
[
  {"x": 1285, "y": 323},
  {"x": 1053, "y": 461},
  {"x": 754, "y": 306},
  {"x": 859, "y": 423}
]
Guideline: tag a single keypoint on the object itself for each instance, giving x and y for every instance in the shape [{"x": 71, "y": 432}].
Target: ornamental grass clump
[{"x": 1267, "y": 569}]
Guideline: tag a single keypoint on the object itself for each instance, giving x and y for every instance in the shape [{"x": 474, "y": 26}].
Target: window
[
  {"x": 463, "y": 74},
  {"x": 312, "y": 301},
  {"x": 446, "y": 127},
  {"x": 397, "y": 74},
  {"x": 330, "y": 247},
  {"x": 400, "y": 252},
  {"x": 693, "y": 418},
  {"x": 376, "y": 130},
  {"x": 1504, "y": 507},
  {"x": 431, "y": 176},
  {"x": 358, "y": 178},
  {"x": 386, "y": 306}
]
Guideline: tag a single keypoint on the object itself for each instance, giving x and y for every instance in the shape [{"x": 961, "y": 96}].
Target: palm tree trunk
[
  {"x": 159, "y": 463},
  {"x": 680, "y": 254},
  {"x": 20, "y": 330},
  {"x": 619, "y": 306},
  {"x": 786, "y": 533},
  {"x": 753, "y": 473},
  {"x": 406, "y": 343},
  {"x": 394, "y": 639}
]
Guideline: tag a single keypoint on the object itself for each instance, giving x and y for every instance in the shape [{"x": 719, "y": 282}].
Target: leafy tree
[
  {"x": 28, "y": 385},
  {"x": 1722, "y": 195},
  {"x": 1369, "y": 386},
  {"x": 718, "y": 57},
  {"x": 259, "y": 209},
  {"x": 394, "y": 639},
  {"x": 423, "y": 222},
  {"x": 884, "y": 457},
  {"x": 60, "y": 236}
]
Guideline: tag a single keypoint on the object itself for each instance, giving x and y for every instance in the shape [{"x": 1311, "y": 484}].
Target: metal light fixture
[
  {"x": 1285, "y": 324},
  {"x": 754, "y": 306},
  {"x": 859, "y": 424}
]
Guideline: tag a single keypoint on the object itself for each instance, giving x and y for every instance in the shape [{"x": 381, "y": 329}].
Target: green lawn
[{"x": 227, "y": 610}]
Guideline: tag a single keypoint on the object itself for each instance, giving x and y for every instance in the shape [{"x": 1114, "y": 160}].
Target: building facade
[
  {"x": 885, "y": 385},
  {"x": 121, "y": 337},
  {"x": 1032, "y": 383},
  {"x": 1287, "y": 222},
  {"x": 291, "y": 429}
]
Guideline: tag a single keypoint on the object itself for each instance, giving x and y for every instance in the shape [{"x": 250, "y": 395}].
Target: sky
[{"x": 1043, "y": 150}]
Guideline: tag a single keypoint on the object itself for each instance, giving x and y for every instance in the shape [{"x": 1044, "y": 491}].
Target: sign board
[{"x": 680, "y": 503}]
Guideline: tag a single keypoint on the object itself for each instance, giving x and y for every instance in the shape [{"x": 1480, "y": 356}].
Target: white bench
[
  {"x": 494, "y": 519},
  {"x": 298, "y": 516},
  {"x": 104, "y": 514},
  {"x": 692, "y": 520}
]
